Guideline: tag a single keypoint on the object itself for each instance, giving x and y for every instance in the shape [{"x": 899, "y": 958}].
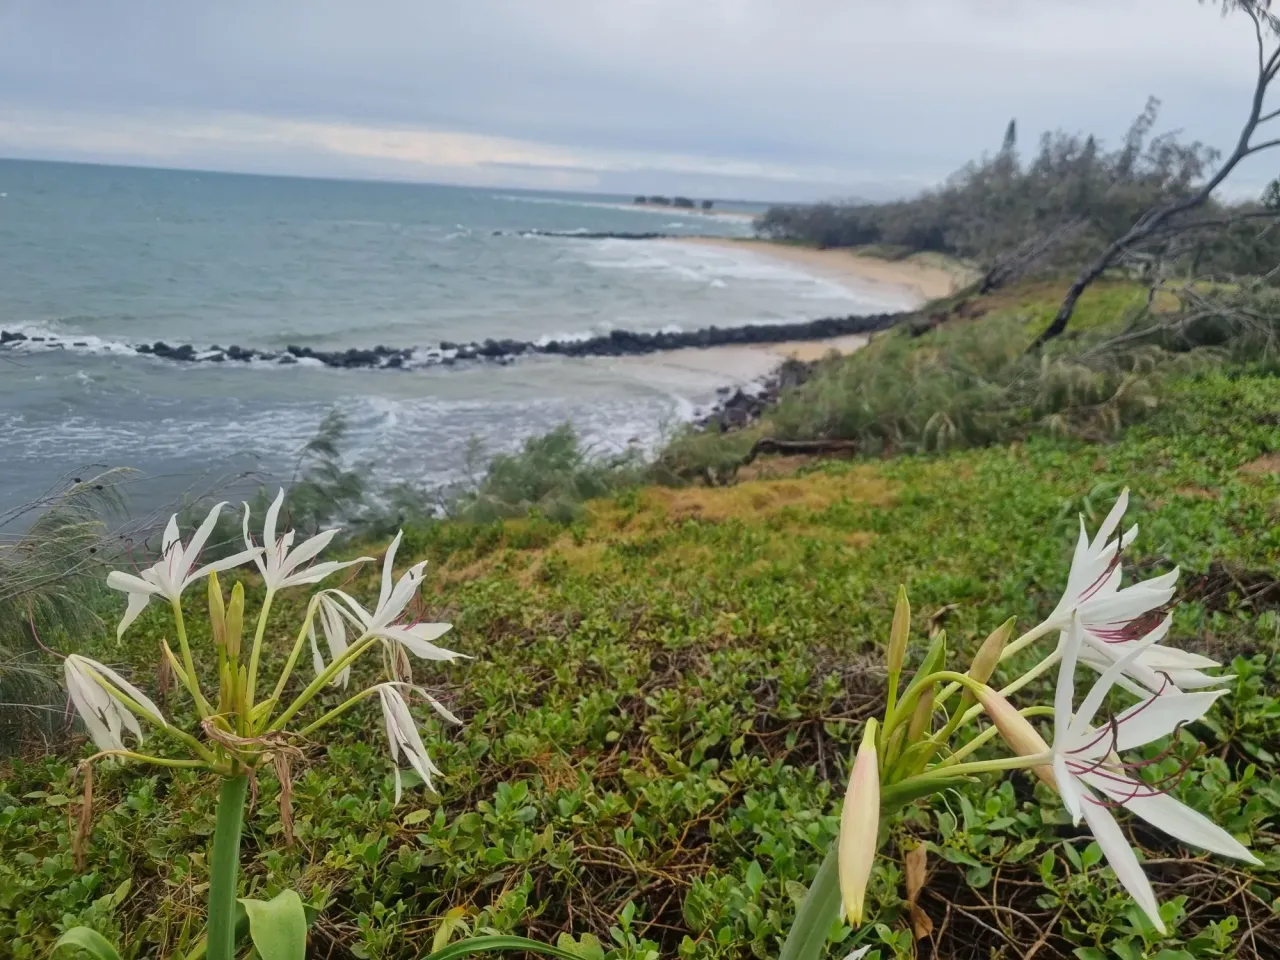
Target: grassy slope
[{"x": 662, "y": 704}]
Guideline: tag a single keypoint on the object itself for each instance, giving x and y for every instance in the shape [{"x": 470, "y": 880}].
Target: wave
[{"x": 616, "y": 343}]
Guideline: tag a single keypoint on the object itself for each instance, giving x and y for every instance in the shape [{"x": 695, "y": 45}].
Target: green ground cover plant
[{"x": 661, "y": 717}]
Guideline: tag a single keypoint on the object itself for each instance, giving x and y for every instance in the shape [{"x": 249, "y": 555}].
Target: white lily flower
[
  {"x": 1086, "y": 764},
  {"x": 333, "y": 620},
  {"x": 1113, "y": 618},
  {"x": 402, "y": 731},
  {"x": 278, "y": 566},
  {"x": 90, "y": 684},
  {"x": 383, "y": 621},
  {"x": 173, "y": 572}
]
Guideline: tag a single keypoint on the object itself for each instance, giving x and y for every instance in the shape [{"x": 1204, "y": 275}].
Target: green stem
[
  {"x": 1028, "y": 638},
  {"x": 189, "y": 665},
  {"x": 989, "y": 734},
  {"x": 225, "y": 867},
  {"x": 983, "y": 766},
  {"x": 147, "y": 758},
  {"x": 167, "y": 728},
  {"x": 315, "y": 686},
  {"x": 336, "y": 712},
  {"x": 296, "y": 651},
  {"x": 1040, "y": 668},
  {"x": 256, "y": 653}
]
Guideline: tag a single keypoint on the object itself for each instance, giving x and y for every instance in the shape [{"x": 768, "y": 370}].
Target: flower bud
[
  {"x": 217, "y": 614},
  {"x": 1016, "y": 731},
  {"x": 987, "y": 658},
  {"x": 235, "y": 620},
  {"x": 897, "y": 651},
  {"x": 860, "y": 826},
  {"x": 922, "y": 716}
]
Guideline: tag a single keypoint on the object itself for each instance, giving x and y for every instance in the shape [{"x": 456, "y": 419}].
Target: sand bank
[{"x": 924, "y": 277}]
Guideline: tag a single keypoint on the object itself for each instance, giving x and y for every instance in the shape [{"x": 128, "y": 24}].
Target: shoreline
[{"x": 919, "y": 276}]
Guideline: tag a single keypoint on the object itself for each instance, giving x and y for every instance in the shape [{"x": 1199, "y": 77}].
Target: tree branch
[{"x": 1154, "y": 219}]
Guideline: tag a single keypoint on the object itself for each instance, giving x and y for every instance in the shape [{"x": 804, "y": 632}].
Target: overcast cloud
[{"x": 765, "y": 99}]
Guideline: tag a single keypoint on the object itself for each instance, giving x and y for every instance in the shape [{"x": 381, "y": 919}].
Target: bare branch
[{"x": 1155, "y": 219}]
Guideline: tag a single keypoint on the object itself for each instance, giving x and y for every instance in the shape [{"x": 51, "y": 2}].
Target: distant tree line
[{"x": 1059, "y": 209}]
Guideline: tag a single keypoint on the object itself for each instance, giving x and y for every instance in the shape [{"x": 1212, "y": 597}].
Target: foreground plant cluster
[{"x": 664, "y": 708}]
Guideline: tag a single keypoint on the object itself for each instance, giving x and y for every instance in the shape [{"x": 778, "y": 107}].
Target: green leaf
[
  {"x": 755, "y": 878},
  {"x": 464, "y": 948},
  {"x": 278, "y": 927},
  {"x": 417, "y": 816},
  {"x": 84, "y": 940},
  {"x": 807, "y": 939},
  {"x": 1089, "y": 953}
]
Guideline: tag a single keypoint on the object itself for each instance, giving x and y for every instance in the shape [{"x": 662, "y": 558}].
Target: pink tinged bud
[
  {"x": 860, "y": 827},
  {"x": 1016, "y": 731}
]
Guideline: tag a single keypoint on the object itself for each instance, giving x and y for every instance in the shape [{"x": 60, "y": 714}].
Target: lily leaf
[
  {"x": 84, "y": 940},
  {"x": 278, "y": 927},
  {"x": 807, "y": 939}
]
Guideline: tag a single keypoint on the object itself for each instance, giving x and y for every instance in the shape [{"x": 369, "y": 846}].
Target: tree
[{"x": 1171, "y": 216}]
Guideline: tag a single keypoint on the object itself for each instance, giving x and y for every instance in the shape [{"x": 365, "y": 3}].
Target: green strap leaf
[
  {"x": 465, "y": 948},
  {"x": 278, "y": 927},
  {"x": 820, "y": 909},
  {"x": 84, "y": 940}
]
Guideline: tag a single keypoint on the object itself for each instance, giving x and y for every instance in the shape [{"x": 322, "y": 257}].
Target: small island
[{"x": 679, "y": 203}]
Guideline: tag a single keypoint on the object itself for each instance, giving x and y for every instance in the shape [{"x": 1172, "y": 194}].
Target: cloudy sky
[{"x": 764, "y": 99}]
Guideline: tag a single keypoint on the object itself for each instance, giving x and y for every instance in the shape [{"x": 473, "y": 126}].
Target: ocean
[{"x": 105, "y": 258}]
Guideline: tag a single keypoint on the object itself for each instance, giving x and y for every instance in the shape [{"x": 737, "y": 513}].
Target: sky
[{"x": 754, "y": 99}]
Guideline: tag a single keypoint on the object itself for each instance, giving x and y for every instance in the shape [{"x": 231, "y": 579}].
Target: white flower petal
[
  {"x": 191, "y": 553},
  {"x": 1173, "y": 817},
  {"x": 1068, "y": 787},
  {"x": 1112, "y": 521},
  {"x": 1102, "y": 686},
  {"x": 170, "y": 539},
  {"x": 1123, "y": 860},
  {"x": 249, "y": 545},
  {"x": 1172, "y": 658},
  {"x": 415, "y": 640},
  {"x": 137, "y": 603},
  {"x": 269, "y": 522},
  {"x": 226, "y": 563},
  {"x": 1160, "y": 716},
  {"x": 388, "y": 564},
  {"x": 307, "y": 550},
  {"x": 129, "y": 690},
  {"x": 316, "y": 573}
]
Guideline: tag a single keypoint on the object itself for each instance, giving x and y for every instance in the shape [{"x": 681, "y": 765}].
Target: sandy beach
[{"x": 927, "y": 279}]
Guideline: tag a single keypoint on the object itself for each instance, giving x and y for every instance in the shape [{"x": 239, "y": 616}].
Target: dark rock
[
  {"x": 80, "y": 343},
  {"x": 287, "y": 358},
  {"x": 15, "y": 337}
]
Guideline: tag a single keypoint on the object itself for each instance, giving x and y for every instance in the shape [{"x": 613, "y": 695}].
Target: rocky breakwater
[{"x": 617, "y": 343}]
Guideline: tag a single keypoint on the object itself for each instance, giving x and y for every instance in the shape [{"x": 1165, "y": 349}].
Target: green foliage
[
  {"x": 662, "y": 710},
  {"x": 552, "y": 474},
  {"x": 51, "y": 568}
]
